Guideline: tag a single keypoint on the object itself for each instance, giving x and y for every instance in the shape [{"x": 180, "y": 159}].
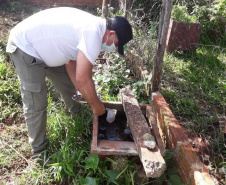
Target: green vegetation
[
  {"x": 110, "y": 77},
  {"x": 10, "y": 95},
  {"x": 210, "y": 14},
  {"x": 180, "y": 13},
  {"x": 194, "y": 87},
  {"x": 201, "y": 75},
  {"x": 171, "y": 174},
  {"x": 16, "y": 6}
]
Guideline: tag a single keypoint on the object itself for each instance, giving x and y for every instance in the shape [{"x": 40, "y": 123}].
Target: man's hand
[{"x": 99, "y": 110}]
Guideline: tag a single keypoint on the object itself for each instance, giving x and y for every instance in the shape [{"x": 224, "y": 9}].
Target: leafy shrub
[
  {"x": 15, "y": 6},
  {"x": 4, "y": 3},
  {"x": 111, "y": 76},
  {"x": 180, "y": 13},
  {"x": 151, "y": 9},
  {"x": 9, "y": 91},
  {"x": 213, "y": 20}
]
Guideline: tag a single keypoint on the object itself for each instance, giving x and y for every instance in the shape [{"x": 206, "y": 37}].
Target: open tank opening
[{"x": 115, "y": 131}]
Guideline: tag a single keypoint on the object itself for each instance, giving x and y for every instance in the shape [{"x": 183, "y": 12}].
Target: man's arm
[
  {"x": 81, "y": 74},
  {"x": 71, "y": 69}
]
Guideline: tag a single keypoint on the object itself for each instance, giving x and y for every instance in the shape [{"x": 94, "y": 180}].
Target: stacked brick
[{"x": 191, "y": 169}]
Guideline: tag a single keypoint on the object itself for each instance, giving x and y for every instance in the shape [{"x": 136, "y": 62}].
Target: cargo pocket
[
  {"x": 32, "y": 61},
  {"x": 31, "y": 94},
  {"x": 38, "y": 63},
  {"x": 31, "y": 86}
]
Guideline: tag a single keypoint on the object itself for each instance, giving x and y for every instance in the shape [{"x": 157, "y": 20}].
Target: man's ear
[
  {"x": 106, "y": 34},
  {"x": 112, "y": 32}
]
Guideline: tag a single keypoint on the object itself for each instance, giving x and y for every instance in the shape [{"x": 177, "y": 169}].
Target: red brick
[
  {"x": 191, "y": 169},
  {"x": 183, "y": 36}
]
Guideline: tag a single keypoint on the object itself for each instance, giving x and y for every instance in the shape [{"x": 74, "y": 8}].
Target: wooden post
[
  {"x": 152, "y": 160},
  {"x": 155, "y": 129},
  {"x": 160, "y": 48},
  {"x": 104, "y": 9},
  {"x": 126, "y": 7}
]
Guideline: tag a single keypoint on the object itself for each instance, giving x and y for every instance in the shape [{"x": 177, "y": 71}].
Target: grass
[
  {"x": 193, "y": 84},
  {"x": 69, "y": 138}
]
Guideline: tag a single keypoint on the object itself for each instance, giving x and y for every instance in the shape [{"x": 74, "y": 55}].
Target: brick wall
[
  {"x": 51, "y": 3},
  {"x": 191, "y": 170}
]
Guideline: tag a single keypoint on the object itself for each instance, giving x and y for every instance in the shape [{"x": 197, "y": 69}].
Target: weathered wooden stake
[
  {"x": 160, "y": 48},
  {"x": 155, "y": 129},
  {"x": 126, "y": 7},
  {"x": 104, "y": 9},
  {"x": 152, "y": 160}
]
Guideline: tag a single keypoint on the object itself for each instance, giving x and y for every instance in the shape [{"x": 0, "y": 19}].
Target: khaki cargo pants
[{"x": 32, "y": 74}]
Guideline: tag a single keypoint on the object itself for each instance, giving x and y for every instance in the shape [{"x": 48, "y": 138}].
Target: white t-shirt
[{"x": 55, "y": 35}]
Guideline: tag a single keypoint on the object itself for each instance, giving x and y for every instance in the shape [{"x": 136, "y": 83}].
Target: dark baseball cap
[{"x": 123, "y": 31}]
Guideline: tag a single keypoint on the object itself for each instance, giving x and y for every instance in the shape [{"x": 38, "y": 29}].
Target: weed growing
[
  {"x": 193, "y": 85},
  {"x": 69, "y": 160},
  {"x": 111, "y": 76},
  {"x": 10, "y": 101},
  {"x": 15, "y": 6},
  {"x": 196, "y": 83}
]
